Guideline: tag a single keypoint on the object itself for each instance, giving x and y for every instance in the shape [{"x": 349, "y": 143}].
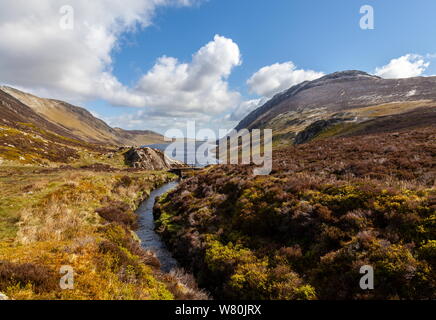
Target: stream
[{"x": 150, "y": 240}]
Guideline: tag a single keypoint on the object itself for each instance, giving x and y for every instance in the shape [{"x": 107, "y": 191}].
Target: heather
[{"x": 303, "y": 232}]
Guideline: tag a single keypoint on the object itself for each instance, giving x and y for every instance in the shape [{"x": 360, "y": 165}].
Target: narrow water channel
[{"x": 149, "y": 238}]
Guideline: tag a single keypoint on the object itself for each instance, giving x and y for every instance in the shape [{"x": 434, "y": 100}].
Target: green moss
[
  {"x": 165, "y": 221},
  {"x": 338, "y": 130}
]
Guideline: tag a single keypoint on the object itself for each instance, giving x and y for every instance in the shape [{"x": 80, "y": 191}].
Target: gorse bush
[{"x": 304, "y": 232}]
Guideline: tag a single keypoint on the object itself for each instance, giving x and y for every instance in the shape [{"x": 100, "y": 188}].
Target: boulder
[{"x": 150, "y": 159}]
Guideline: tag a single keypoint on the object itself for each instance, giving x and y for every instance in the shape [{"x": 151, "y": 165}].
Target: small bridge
[{"x": 184, "y": 172}]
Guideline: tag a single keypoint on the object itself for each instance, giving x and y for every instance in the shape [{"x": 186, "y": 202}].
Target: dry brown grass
[
  {"x": 185, "y": 286},
  {"x": 59, "y": 225}
]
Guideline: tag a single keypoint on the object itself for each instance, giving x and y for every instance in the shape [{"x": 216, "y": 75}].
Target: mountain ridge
[
  {"x": 77, "y": 122},
  {"x": 349, "y": 96}
]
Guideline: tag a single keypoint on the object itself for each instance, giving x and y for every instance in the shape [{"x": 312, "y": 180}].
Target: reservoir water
[{"x": 183, "y": 153}]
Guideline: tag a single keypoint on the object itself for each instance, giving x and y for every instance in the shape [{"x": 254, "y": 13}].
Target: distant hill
[
  {"x": 344, "y": 104},
  {"x": 67, "y": 120}
]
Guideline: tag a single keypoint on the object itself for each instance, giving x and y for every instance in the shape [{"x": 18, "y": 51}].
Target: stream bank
[{"x": 150, "y": 240}]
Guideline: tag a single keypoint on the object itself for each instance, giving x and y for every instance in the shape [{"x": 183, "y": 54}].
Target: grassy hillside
[
  {"x": 303, "y": 232},
  {"x": 362, "y": 192},
  {"x": 67, "y": 202},
  {"x": 75, "y": 122},
  {"x": 373, "y": 119},
  {"x": 84, "y": 219}
]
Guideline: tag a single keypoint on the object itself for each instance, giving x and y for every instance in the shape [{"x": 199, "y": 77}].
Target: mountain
[
  {"x": 68, "y": 120},
  {"x": 14, "y": 113},
  {"x": 343, "y": 104}
]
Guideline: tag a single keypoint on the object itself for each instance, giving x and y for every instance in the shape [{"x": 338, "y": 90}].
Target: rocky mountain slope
[
  {"x": 70, "y": 121},
  {"x": 36, "y": 131},
  {"x": 344, "y": 104}
]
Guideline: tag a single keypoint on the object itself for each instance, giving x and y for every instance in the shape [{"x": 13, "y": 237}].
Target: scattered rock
[{"x": 150, "y": 159}]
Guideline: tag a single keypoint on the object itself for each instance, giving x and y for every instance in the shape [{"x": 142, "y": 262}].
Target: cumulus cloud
[
  {"x": 244, "y": 108},
  {"x": 275, "y": 78},
  {"x": 410, "y": 65},
  {"x": 267, "y": 82},
  {"x": 36, "y": 54},
  {"x": 199, "y": 86},
  {"x": 144, "y": 119}
]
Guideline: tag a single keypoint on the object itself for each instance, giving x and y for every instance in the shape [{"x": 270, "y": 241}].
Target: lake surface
[{"x": 182, "y": 153}]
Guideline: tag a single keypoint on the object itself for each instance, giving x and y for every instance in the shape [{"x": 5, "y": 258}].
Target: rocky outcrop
[
  {"x": 318, "y": 127},
  {"x": 314, "y": 129},
  {"x": 150, "y": 159}
]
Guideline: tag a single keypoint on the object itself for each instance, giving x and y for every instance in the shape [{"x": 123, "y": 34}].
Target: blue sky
[
  {"x": 314, "y": 34},
  {"x": 320, "y": 35},
  {"x": 316, "y": 37}
]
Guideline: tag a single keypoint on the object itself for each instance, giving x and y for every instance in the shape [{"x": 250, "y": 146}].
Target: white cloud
[
  {"x": 199, "y": 86},
  {"x": 410, "y": 65},
  {"x": 142, "y": 119},
  {"x": 244, "y": 108},
  {"x": 36, "y": 54},
  {"x": 267, "y": 82},
  {"x": 275, "y": 78}
]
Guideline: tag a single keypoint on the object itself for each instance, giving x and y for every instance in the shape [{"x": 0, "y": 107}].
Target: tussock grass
[{"x": 83, "y": 219}]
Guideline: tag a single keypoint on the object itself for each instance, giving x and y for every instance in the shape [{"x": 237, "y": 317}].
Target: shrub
[
  {"x": 120, "y": 212},
  {"x": 41, "y": 278},
  {"x": 304, "y": 231}
]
